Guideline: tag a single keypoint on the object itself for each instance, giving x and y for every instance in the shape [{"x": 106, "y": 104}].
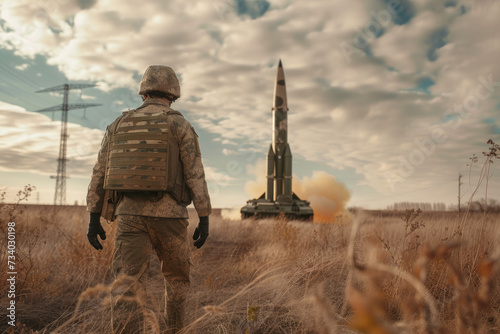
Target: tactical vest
[{"x": 142, "y": 155}]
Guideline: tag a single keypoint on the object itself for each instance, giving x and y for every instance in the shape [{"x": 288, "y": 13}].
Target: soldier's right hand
[{"x": 95, "y": 229}]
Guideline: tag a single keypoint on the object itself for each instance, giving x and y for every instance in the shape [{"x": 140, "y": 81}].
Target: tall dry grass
[
  {"x": 406, "y": 272},
  {"x": 400, "y": 273},
  {"x": 53, "y": 262},
  {"x": 378, "y": 275}
]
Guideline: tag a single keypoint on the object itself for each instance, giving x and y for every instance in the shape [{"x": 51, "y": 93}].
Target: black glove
[
  {"x": 95, "y": 228},
  {"x": 201, "y": 232}
]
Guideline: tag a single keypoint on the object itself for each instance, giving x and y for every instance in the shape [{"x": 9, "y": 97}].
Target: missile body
[
  {"x": 279, "y": 200},
  {"x": 279, "y": 157}
]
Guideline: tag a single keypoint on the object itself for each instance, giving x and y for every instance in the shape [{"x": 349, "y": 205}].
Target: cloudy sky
[{"x": 391, "y": 97}]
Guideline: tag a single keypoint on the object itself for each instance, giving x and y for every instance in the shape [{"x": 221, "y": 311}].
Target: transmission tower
[{"x": 60, "y": 193}]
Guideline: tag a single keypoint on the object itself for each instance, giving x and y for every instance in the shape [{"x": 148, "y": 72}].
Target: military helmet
[{"x": 160, "y": 78}]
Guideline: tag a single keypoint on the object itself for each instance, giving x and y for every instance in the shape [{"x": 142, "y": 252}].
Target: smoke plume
[
  {"x": 256, "y": 187},
  {"x": 328, "y": 196}
]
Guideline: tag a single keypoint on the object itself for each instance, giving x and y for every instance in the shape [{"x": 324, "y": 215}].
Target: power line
[{"x": 18, "y": 82}]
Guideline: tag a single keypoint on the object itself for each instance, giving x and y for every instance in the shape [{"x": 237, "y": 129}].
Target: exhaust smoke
[{"x": 327, "y": 195}]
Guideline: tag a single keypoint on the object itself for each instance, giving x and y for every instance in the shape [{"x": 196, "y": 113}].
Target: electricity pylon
[{"x": 60, "y": 193}]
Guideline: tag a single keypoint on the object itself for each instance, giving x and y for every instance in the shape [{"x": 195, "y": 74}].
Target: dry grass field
[{"x": 385, "y": 272}]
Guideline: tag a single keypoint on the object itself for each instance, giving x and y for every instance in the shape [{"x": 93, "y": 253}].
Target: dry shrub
[{"x": 449, "y": 288}]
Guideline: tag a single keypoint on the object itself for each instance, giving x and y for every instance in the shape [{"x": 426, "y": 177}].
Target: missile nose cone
[{"x": 280, "y": 101}]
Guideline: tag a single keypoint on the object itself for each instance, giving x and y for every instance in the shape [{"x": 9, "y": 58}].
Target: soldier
[{"x": 150, "y": 159}]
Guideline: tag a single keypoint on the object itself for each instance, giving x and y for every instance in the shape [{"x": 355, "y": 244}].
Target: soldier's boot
[{"x": 175, "y": 317}]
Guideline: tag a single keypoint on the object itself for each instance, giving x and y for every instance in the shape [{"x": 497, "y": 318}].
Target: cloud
[
  {"x": 22, "y": 67},
  {"x": 214, "y": 176},
  {"x": 30, "y": 143},
  {"x": 225, "y": 151},
  {"x": 365, "y": 114},
  {"x": 86, "y": 4}
]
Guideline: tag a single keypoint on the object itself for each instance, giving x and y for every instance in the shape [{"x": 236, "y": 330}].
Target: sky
[{"x": 391, "y": 98}]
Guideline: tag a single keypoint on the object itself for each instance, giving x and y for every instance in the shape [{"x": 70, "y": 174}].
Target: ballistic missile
[
  {"x": 279, "y": 157},
  {"x": 279, "y": 200}
]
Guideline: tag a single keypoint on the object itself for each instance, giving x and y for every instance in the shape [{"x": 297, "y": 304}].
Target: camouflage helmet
[{"x": 160, "y": 78}]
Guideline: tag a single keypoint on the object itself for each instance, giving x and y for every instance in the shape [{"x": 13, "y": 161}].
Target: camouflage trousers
[{"x": 136, "y": 238}]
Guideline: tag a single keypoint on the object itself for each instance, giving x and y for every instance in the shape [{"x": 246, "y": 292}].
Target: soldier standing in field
[{"x": 150, "y": 160}]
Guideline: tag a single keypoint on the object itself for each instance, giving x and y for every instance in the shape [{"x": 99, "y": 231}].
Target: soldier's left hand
[
  {"x": 95, "y": 228},
  {"x": 201, "y": 232}
]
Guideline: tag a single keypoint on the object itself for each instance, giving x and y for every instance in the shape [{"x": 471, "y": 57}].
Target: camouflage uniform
[{"x": 154, "y": 220}]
